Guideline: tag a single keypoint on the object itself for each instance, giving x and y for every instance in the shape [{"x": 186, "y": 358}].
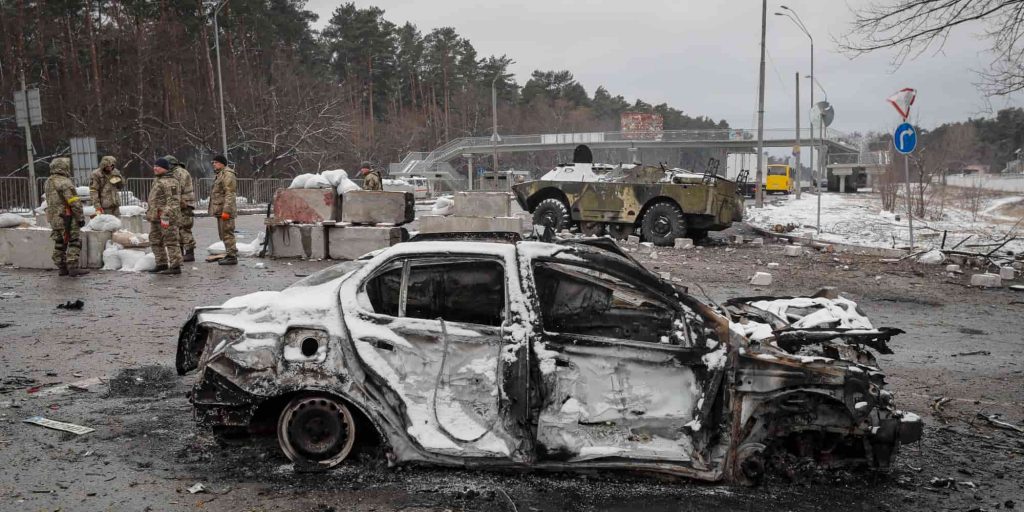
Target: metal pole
[
  {"x": 220, "y": 80},
  {"x": 758, "y": 189},
  {"x": 799, "y": 172},
  {"x": 821, "y": 162},
  {"x": 910, "y": 208},
  {"x": 494, "y": 123},
  {"x": 33, "y": 191}
]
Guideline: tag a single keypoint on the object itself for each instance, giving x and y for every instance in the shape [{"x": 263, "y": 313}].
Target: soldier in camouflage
[
  {"x": 105, "y": 184},
  {"x": 223, "y": 207},
  {"x": 164, "y": 216},
  {"x": 371, "y": 177},
  {"x": 188, "y": 205},
  {"x": 66, "y": 216}
]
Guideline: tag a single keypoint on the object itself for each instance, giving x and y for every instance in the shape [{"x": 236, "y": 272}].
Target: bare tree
[{"x": 912, "y": 27}]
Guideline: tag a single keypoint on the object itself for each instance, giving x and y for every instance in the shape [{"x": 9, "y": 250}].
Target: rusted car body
[{"x": 537, "y": 355}]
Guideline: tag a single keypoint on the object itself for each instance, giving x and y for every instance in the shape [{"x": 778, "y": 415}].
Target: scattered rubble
[
  {"x": 986, "y": 280},
  {"x": 72, "y": 305},
  {"x": 761, "y": 279}
]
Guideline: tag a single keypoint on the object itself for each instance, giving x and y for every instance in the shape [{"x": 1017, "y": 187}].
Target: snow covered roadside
[{"x": 858, "y": 219}]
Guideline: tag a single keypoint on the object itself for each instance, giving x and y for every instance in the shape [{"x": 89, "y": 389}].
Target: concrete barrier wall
[
  {"x": 483, "y": 204},
  {"x": 454, "y": 224},
  {"x": 351, "y": 242},
  {"x": 298, "y": 241},
  {"x": 1014, "y": 183},
  {"x": 378, "y": 207},
  {"x": 306, "y": 206}
]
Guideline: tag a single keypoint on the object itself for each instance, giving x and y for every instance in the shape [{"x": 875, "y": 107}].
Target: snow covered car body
[{"x": 528, "y": 354}]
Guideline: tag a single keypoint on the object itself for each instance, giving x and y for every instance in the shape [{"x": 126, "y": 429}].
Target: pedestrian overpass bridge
[{"x": 436, "y": 163}]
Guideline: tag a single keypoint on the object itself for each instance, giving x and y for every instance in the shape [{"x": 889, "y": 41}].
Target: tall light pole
[
  {"x": 758, "y": 189},
  {"x": 795, "y": 18},
  {"x": 220, "y": 79},
  {"x": 494, "y": 120}
]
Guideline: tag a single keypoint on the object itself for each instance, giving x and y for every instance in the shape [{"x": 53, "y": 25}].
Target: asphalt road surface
[{"x": 962, "y": 355}]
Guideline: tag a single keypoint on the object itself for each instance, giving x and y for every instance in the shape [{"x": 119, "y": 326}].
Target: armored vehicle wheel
[
  {"x": 592, "y": 228},
  {"x": 620, "y": 231},
  {"x": 552, "y": 213},
  {"x": 662, "y": 224},
  {"x": 316, "y": 432}
]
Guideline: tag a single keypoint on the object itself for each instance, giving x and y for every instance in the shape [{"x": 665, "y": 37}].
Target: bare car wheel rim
[{"x": 316, "y": 430}]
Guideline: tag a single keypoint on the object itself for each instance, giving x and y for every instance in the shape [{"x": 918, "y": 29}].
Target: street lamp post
[
  {"x": 758, "y": 186},
  {"x": 795, "y": 18},
  {"x": 220, "y": 80},
  {"x": 495, "y": 138}
]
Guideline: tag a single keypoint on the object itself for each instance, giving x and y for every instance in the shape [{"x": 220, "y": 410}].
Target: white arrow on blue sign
[{"x": 905, "y": 138}]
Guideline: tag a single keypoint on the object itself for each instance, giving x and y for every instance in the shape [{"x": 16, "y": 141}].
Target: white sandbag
[
  {"x": 82, "y": 191},
  {"x": 443, "y": 206},
  {"x": 111, "y": 256},
  {"x": 13, "y": 220},
  {"x": 346, "y": 185},
  {"x": 318, "y": 181},
  {"x": 132, "y": 210},
  {"x": 89, "y": 211},
  {"x": 245, "y": 249},
  {"x": 300, "y": 180},
  {"x": 334, "y": 177},
  {"x": 128, "y": 239},
  {"x": 104, "y": 222},
  {"x": 932, "y": 257},
  {"x": 129, "y": 258},
  {"x": 145, "y": 263}
]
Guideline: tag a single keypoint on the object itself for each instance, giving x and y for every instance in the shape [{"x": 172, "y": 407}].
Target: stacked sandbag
[
  {"x": 104, "y": 222},
  {"x": 244, "y": 249},
  {"x": 336, "y": 179},
  {"x": 13, "y": 220}
]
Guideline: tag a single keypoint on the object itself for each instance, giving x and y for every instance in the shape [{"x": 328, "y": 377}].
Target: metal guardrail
[{"x": 417, "y": 163}]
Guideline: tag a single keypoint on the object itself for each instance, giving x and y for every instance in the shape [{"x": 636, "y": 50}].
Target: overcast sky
[{"x": 702, "y": 57}]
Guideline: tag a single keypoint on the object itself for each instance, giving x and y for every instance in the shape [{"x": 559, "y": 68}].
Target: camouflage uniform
[
  {"x": 188, "y": 203},
  {"x": 64, "y": 213},
  {"x": 105, "y": 185},
  {"x": 165, "y": 206},
  {"x": 222, "y": 200},
  {"x": 372, "y": 181}
]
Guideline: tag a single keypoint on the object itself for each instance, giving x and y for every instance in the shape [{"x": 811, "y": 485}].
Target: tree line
[{"x": 140, "y": 76}]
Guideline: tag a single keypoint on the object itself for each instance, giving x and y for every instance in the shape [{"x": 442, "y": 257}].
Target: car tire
[
  {"x": 552, "y": 213},
  {"x": 663, "y": 223},
  {"x": 316, "y": 432}
]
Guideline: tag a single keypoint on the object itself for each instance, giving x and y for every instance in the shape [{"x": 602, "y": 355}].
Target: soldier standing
[
  {"x": 223, "y": 208},
  {"x": 371, "y": 177},
  {"x": 164, "y": 210},
  {"x": 105, "y": 184},
  {"x": 188, "y": 205},
  {"x": 66, "y": 216}
]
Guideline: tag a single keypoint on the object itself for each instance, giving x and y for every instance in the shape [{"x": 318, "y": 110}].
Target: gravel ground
[{"x": 963, "y": 346}]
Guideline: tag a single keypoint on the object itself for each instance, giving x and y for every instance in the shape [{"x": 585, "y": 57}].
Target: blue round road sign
[{"x": 905, "y": 138}]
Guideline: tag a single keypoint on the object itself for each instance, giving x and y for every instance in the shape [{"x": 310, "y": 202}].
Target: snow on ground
[{"x": 858, "y": 219}]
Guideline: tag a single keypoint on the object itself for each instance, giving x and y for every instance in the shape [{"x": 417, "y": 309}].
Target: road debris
[
  {"x": 994, "y": 420},
  {"x": 72, "y": 305},
  {"x": 58, "y": 425},
  {"x": 197, "y": 488}
]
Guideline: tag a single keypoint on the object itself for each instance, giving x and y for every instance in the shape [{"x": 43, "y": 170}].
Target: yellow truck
[{"x": 780, "y": 179}]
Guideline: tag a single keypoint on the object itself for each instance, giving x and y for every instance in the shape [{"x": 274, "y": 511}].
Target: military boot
[
  {"x": 158, "y": 268},
  {"x": 228, "y": 260},
  {"x": 188, "y": 255},
  {"x": 63, "y": 269},
  {"x": 75, "y": 272},
  {"x": 170, "y": 271}
]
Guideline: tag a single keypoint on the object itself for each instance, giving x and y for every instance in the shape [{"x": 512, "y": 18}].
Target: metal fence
[{"x": 252, "y": 192}]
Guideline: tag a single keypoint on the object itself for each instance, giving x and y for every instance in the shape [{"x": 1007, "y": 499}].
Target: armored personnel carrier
[{"x": 662, "y": 204}]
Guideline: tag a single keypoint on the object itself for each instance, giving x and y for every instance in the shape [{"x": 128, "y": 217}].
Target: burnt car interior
[
  {"x": 457, "y": 290},
  {"x": 578, "y": 300}
]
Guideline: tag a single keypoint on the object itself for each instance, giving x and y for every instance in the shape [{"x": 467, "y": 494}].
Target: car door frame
[{"x": 714, "y": 399}]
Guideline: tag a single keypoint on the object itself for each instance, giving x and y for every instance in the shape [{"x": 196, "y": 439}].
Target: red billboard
[{"x": 641, "y": 125}]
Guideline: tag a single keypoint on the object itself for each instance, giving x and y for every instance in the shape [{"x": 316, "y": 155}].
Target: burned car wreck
[{"x": 562, "y": 356}]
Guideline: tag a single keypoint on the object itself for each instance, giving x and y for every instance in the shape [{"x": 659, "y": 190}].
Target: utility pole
[
  {"x": 32, "y": 188},
  {"x": 220, "y": 79},
  {"x": 797, "y": 148},
  {"x": 758, "y": 189}
]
